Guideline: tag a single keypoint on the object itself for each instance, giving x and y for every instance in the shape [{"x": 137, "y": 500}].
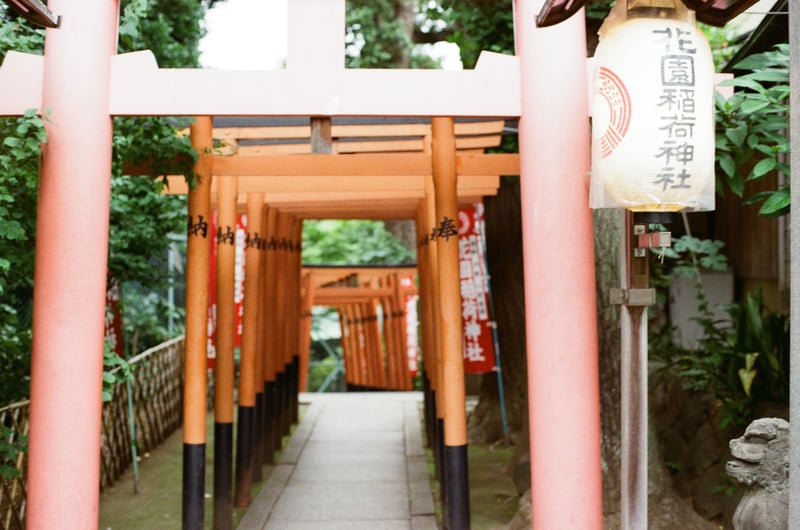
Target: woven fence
[{"x": 155, "y": 397}]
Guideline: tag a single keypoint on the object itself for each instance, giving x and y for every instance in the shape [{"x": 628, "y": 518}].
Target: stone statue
[{"x": 761, "y": 464}]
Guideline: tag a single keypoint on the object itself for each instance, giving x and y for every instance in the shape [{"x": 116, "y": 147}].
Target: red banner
[
  {"x": 238, "y": 293},
  {"x": 477, "y": 322},
  {"x": 412, "y": 324}
]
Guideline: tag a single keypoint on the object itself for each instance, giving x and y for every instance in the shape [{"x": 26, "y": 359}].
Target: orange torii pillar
[
  {"x": 264, "y": 446},
  {"x": 257, "y": 376},
  {"x": 280, "y": 247},
  {"x": 305, "y": 328},
  {"x": 399, "y": 326},
  {"x": 70, "y": 270},
  {"x": 389, "y": 368},
  {"x": 431, "y": 265},
  {"x": 427, "y": 363},
  {"x": 350, "y": 347},
  {"x": 375, "y": 359},
  {"x": 196, "y": 357},
  {"x": 271, "y": 322},
  {"x": 295, "y": 248},
  {"x": 346, "y": 344},
  {"x": 248, "y": 377},
  {"x": 224, "y": 366},
  {"x": 369, "y": 349},
  {"x": 558, "y": 251},
  {"x": 455, "y": 426}
]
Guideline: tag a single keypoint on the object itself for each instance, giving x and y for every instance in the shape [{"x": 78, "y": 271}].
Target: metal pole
[
  {"x": 633, "y": 381},
  {"x": 794, "y": 394},
  {"x": 132, "y": 428}
]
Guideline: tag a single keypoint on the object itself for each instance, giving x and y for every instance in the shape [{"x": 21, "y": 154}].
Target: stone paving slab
[{"x": 355, "y": 462}]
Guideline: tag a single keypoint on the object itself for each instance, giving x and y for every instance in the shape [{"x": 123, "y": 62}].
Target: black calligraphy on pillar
[
  {"x": 228, "y": 237},
  {"x": 447, "y": 229},
  {"x": 199, "y": 228},
  {"x": 676, "y": 101},
  {"x": 252, "y": 241}
]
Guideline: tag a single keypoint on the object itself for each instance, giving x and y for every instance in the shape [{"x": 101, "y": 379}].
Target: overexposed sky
[
  {"x": 245, "y": 35},
  {"x": 251, "y": 35}
]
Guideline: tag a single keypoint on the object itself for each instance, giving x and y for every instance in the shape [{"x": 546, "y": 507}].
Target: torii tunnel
[{"x": 83, "y": 84}]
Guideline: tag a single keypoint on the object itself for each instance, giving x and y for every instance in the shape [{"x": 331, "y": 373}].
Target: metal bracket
[{"x": 633, "y": 297}]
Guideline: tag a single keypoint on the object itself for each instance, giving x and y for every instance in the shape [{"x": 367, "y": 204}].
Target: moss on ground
[{"x": 492, "y": 495}]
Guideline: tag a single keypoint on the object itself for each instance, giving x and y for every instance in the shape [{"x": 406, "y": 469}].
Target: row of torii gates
[
  {"x": 279, "y": 292},
  {"x": 83, "y": 84}
]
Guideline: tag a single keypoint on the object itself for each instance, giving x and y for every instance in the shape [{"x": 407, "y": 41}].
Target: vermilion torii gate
[{"x": 83, "y": 84}]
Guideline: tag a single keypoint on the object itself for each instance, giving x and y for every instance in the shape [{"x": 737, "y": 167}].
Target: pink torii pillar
[
  {"x": 70, "y": 270},
  {"x": 563, "y": 386}
]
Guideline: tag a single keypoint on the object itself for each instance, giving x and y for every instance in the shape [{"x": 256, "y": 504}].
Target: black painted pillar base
[
  {"x": 194, "y": 474},
  {"x": 286, "y": 400},
  {"x": 457, "y": 513},
  {"x": 244, "y": 456},
  {"x": 295, "y": 389},
  {"x": 223, "y": 476},
  {"x": 427, "y": 410},
  {"x": 438, "y": 454},
  {"x": 258, "y": 438},
  {"x": 280, "y": 407},
  {"x": 269, "y": 427}
]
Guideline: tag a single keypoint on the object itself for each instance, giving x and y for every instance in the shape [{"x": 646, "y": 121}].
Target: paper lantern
[{"x": 653, "y": 116}]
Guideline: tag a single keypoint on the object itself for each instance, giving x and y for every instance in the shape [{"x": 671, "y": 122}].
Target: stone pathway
[{"x": 354, "y": 462}]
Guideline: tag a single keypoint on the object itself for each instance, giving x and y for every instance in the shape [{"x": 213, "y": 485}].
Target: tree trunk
[{"x": 504, "y": 256}]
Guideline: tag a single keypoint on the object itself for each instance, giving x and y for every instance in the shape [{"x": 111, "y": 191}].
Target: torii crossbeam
[{"x": 82, "y": 83}]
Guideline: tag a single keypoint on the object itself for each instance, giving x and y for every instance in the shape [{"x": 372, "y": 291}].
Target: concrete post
[
  {"x": 71, "y": 268},
  {"x": 558, "y": 253},
  {"x": 794, "y": 396}
]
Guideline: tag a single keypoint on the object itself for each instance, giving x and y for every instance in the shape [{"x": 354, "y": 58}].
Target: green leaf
[
  {"x": 770, "y": 76},
  {"x": 747, "y": 377},
  {"x": 728, "y": 165},
  {"x": 737, "y": 135},
  {"x": 753, "y": 105},
  {"x": 777, "y": 204},
  {"x": 762, "y": 168}
]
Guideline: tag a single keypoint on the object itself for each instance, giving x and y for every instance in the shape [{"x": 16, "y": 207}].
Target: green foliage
[
  {"x": 335, "y": 242},
  {"x": 19, "y": 165},
  {"x": 19, "y": 36},
  {"x": 599, "y": 8},
  {"x": 752, "y": 128},
  {"x": 11, "y": 445},
  {"x": 115, "y": 370},
  {"x": 742, "y": 360},
  {"x": 170, "y": 28},
  {"x": 723, "y": 43},
  {"x": 140, "y": 217},
  {"x": 376, "y": 37},
  {"x": 480, "y": 26}
]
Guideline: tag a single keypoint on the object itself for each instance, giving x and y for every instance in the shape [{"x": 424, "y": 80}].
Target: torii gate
[{"x": 83, "y": 84}]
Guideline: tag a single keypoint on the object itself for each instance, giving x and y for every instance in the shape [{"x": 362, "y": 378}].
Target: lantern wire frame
[
  {"x": 35, "y": 12},
  {"x": 712, "y": 12}
]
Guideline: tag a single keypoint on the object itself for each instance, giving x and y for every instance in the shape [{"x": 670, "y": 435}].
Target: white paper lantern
[{"x": 653, "y": 118}]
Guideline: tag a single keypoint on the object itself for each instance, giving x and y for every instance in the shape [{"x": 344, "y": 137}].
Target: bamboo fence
[{"x": 156, "y": 401}]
